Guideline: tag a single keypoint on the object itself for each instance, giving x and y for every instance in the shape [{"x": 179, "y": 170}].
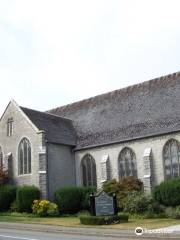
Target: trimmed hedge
[
  {"x": 103, "y": 220},
  {"x": 168, "y": 192},
  {"x": 68, "y": 199},
  {"x": 7, "y": 196},
  {"x": 72, "y": 199},
  {"x": 124, "y": 217},
  {"x": 25, "y": 197}
]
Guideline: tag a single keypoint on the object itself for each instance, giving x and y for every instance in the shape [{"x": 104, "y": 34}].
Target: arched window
[
  {"x": 127, "y": 163},
  {"x": 1, "y": 157},
  {"x": 88, "y": 169},
  {"x": 171, "y": 157},
  {"x": 24, "y": 157}
]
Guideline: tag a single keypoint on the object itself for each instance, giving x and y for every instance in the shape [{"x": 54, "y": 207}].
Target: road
[
  {"x": 24, "y": 234},
  {"x": 10, "y": 234}
]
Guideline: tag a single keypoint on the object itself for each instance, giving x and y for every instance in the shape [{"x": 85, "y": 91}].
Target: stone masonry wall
[
  {"x": 21, "y": 128},
  {"x": 138, "y": 146}
]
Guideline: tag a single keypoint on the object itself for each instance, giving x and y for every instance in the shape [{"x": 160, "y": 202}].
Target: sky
[{"x": 55, "y": 52}]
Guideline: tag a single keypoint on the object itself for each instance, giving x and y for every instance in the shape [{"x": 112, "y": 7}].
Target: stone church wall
[
  {"x": 21, "y": 128},
  {"x": 139, "y": 147}
]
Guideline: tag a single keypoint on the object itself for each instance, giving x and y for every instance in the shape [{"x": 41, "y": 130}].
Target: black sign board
[{"x": 104, "y": 205}]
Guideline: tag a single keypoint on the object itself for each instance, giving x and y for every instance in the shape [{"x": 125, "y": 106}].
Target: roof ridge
[{"x": 144, "y": 83}]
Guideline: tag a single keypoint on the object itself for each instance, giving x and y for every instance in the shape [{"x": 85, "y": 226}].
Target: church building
[{"x": 134, "y": 131}]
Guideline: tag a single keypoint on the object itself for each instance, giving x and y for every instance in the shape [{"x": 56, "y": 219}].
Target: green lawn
[
  {"x": 28, "y": 218},
  {"x": 73, "y": 221}
]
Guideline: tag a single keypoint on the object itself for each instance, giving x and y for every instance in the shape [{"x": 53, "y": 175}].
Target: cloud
[{"x": 55, "y": 52}]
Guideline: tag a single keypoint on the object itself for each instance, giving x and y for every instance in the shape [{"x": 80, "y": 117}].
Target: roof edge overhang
[
  {"x": 58, "y": 143},
  {"x": 124, "y": 140}
]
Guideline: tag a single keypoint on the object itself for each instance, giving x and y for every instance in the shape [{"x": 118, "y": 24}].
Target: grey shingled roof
[
  {"x": 147, "y": 109},
  {"x": 57, "y": 129}
]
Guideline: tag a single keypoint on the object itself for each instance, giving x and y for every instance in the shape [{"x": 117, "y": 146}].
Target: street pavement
[
  {"x": 9, "y": 231},
  {"x": 33, "y": 235},
  {"x": 9, "y": 234}
]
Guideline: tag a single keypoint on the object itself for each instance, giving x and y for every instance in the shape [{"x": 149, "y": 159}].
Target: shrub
[
  {"x": 85, "y": 201},
  {"x": 168, "y": 192},
  {"x": 68, "y": 199},
  {"x": 122, "y": 188},
  {"x": 123, "y": 217},
  {"x": 52, "y": 210},
  {"x": 137, "y": 202},
  {"x": 7, "y": 196},
  {"x": 126, "y": 184},
  {"x": 25, "y": 197},
  {"x": 141, "y": 204},
  {"x": 102, "y": 220},
  {"x": 44, "y": 208},
  {"x": 111, "y": 187},
  {"x": 72, "y": 199},
  {"x": 14, "y": 206},
  {"x": 83, "y": 213},
  {"x": 129, "y": 184},
  {"x": 3, "y": 176},
  {"x": 173, "y": 212},
  {"x": 155, "y": 208}
]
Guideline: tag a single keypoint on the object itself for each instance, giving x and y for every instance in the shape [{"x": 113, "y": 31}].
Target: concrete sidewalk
[
  {"x": 173, "y": 229},
  {"x": 172, "y": 232}
]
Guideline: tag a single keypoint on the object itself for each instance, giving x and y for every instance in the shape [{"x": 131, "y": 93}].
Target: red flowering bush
[{"x": 3, "y": 176}]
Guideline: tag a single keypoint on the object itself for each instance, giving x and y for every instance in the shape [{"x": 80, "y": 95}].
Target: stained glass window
[
  {"x": 171, "y": 157},
  {"x": 88, "y": 168},
  {"x": 127, "y": 163},
  {"x": 24, "y": 157}
]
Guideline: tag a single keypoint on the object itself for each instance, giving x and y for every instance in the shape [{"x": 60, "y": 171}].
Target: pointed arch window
[
  {"x": 171, "y": 158},
  {"x": 88, "y": 169},
  {"x": 127, "y": 163},
  {"x": 1, "y": 157},
  {"x": 24, "y": 157}
]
